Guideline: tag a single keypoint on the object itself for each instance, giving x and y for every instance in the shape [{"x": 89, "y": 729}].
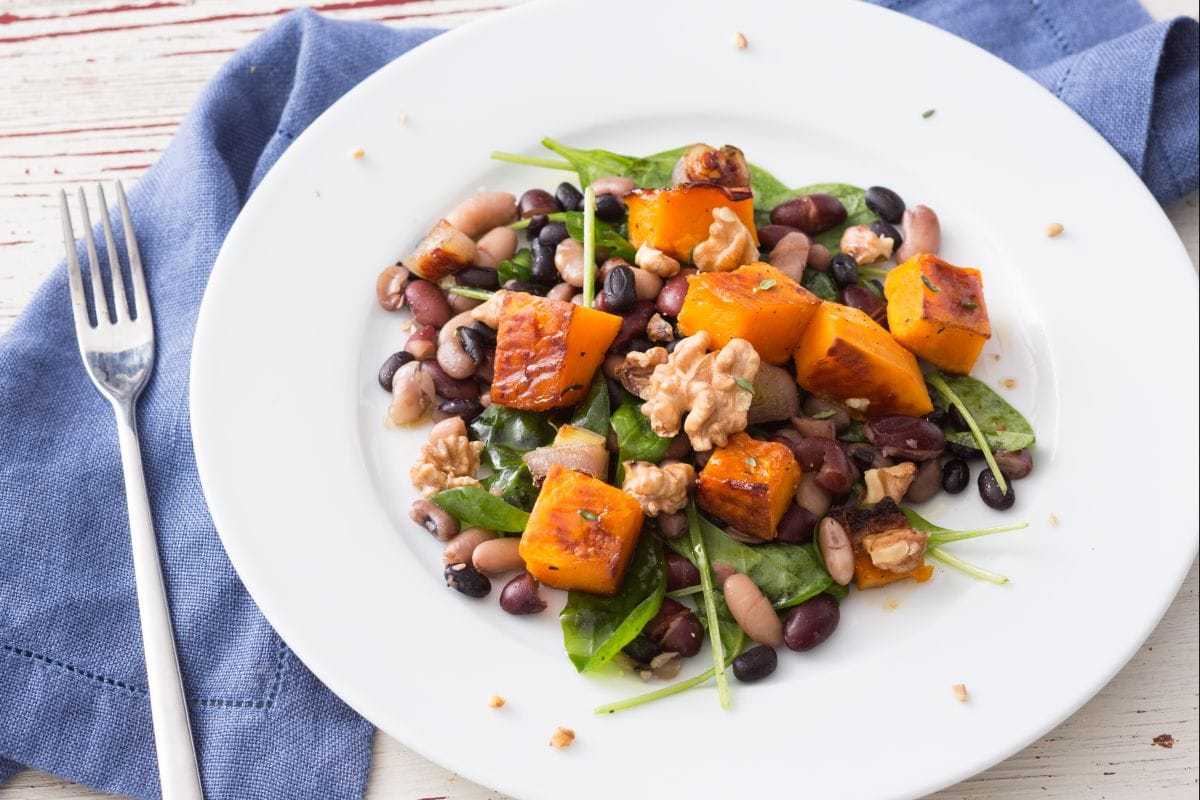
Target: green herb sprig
[{"x": 710, "y": 606}]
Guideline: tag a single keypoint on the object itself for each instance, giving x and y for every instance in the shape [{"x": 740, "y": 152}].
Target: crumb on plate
[
  {"x": 1009, "y": 383},
  {"x": 739, "y": 40},
  {"x": 359, "y": 153},
  {"x": 960, "y": 692},
  {"x": 496, "y": 701},
  {"x": 403, "y": 119},
  {"x": 1054, "y": 229},
  {"x": 562, "y": 738},
  {"x": 1054, "y": 523}
]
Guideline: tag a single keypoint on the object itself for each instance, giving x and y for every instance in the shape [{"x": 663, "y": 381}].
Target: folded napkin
[{"x": 72, "y": 681}]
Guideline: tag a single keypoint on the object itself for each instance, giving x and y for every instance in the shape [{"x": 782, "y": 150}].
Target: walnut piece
[
  {"x": 449, "y": 460},
  {"x": 960, "y": 692},
  {"x": 704, "y": 386},
  {"x": 702, "y": 163},
  {"x": 890, "y": 482},
  {"x": 866, "y": 246},
  {"x": 656, "y": 261},
  {"x": 496, "y": 701},
  {"x": 899, "y": 550},
  {"x": 562, "y": 738},
  {"x": 635, "y": 371},
  {"x": 659, "y": 330},
  {"x": 729, "y": 244},
  {"x": 489, "y": 312},
  {"x": 659, "y": 489}
]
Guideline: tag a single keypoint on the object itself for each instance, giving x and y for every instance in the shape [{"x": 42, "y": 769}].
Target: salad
[{"x": 700, "y": 402}]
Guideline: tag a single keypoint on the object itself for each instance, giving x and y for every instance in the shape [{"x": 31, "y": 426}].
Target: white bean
[
  {"x": 412, "y": 394},
  {"x": 447, "y": 429},
  {"x": 461, "y": 547},
  {"x": 568, "y": 258},
  {"x": 836, "y": 550},
  {"x": 450, "y": 353},
  {"x": 922, "y": 233},
  {"x": 498, "y": 555},
  {"x": 561, "y": 291},
  {"x": 486, "y": 210},
  {"x": 646, "y": 285},
  {"x": 790, "y": 255},
  {"x": 495, "y": 246},
  {"x": 752, "y": 610}
]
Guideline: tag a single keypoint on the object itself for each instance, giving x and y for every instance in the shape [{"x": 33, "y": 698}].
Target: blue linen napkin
[{"x": 72, "y": 697}]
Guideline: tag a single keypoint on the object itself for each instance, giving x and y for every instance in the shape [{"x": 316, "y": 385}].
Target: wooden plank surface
[{"x": 93, "y": 90}]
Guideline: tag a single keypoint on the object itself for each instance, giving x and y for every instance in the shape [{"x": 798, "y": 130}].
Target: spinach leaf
[
  {"x": 787, "y": 574},
  {"x": 1002, "y": 425},
  {"x": 606, "y": 235},
  {"x": 648, "y": 171},
  {"x": 471, "y": 505},
  {"x": 853, "y": 433},
  {"x": 517, "y": 268},
  {"x": 513, "y": 485},
  {"x": 507, "y": 434},
  {"x": 593, "y": 413},
  {"x": 636, "y": 440},
  {"x": 596, "y": 628},
  {"x": 820, "y": 284}
]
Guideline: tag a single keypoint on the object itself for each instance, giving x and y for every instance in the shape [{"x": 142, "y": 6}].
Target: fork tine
[
  {"x": 74, "y": 277},
  {"x": 121, "y": 312},
  {"x": 99, "y": 300},
  {"x": 141, "y": 296}
]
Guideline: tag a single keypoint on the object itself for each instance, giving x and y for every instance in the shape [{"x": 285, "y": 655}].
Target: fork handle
[{"x": 178, "y": 772}]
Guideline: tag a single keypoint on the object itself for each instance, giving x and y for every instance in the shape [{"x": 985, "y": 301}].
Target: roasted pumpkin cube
[
  {"x": 749, "y": 484},
  {"x": 936, "y": 310},
  {"x": 581, "y": 533},
  {"x": 676, "y": 219},
  {"x": 845, "y": 354},
  {"x": 755, "y": 302},
  {"x": 869, "y": 576},
  {"x": 547, "y": 351}
]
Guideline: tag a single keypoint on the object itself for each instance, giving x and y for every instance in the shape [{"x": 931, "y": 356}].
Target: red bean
[
  {"x": 1014, "y": 464},
  {"x": 537, "y": 201},
  {"x": 670, "y": 299},
  {"x": 811, "y": 213},
  {"x": 769, "y": 235},
  {"x": 926, "y": 483},
  {"x": 673, "y": 526},
  {"x": 633, "y": 327},
  {"x": 428, "y": 303},
  {"x": 911, "y": 438},
  {"x": 820, "y": 408},
  {"x": 796, "y": 526},
  {"x": 520, "y": 595},
  {"x": 811, "y": 623},
  {"x": 676, "y": 629},
  {"x": 866, "y": 301},
  {"x": 450, "y": 388},
  {"x": 681, "y": 573}
]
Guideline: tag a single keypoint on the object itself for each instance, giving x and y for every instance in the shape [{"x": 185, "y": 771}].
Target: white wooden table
[{"x": 93, "y": 90}]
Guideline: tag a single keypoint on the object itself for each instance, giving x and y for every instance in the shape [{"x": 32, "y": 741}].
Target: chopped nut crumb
[
  {"x": 995, "y": 356},
  {"x": 562, "y": 738},
  {"x": 739, "y": 40},
  {"x": 858, "y": 404},
  {"x": 960, "y": 692},
  {"x": 496, "y": 701},
  {"x": 403, "y": 119},
  {"x": 1054, "y": 229},
  {"x": 1165, "y": 740},
  {"x": 1009, "y": 383},
  {"x": 1054, "y": 523},
  {"x": 359, "y": 153}
]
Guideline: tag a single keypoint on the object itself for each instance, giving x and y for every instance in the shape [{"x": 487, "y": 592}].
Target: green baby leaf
[
  {"x": 473, "y": 506},
  {"x": 593, "y": 413}
]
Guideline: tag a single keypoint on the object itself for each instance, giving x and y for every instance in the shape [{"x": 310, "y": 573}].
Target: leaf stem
[
  {"x": 522, "y": 224},
  {"x": 972, "y": 570},
  {"x": 940, "y": 384},
  {"x": 532, "y": 161},
  {"x": 468, "y": 291},
  {"x": 710, "y": 604},
  {"x": 684, "y": 592},
  {"x": 658, "y": 694},
  {"x": 939, "y": 539},
  {"x": 589, "y": 246},
  {"x": 873, "y": 272}
]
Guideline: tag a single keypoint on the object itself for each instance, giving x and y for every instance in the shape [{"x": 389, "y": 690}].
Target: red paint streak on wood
[
  {"x": 125, "y": 168},
  {"x": 97, "y": 129},
  {"x": 422, "y": 15},
  {"x": 6, "y": 19},
  {"x": 15, "y": 241},
  {"x": 86, "y": 153},
  {"x": 197, "y": 52},
  {"x": 351, "y": 5}
]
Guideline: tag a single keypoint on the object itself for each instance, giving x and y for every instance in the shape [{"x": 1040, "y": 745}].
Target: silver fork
[{"x": 118, "y": 352}]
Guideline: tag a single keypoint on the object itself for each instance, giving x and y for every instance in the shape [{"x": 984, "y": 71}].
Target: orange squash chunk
[
  {"x": 581, "y": 533},
  {"x": 734, "y": 305},
  {"x": 869, "y": 576},
  {"x": 676, "y": 219},
  {"x": 547, "y": 351},
  {"x": 845, "y": 354},
  {"x": 936, "y": 310},
  {"x": 749, "y": 484}
]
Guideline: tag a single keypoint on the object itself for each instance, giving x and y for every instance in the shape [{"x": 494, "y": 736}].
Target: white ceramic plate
[{"x": 1096, "y": 328}]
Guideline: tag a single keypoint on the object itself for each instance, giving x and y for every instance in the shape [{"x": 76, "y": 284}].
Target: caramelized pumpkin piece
[
  {"x": 755, "y": 302},
  {"x": 581, "y": 533},
  {"x": 547, "y": 351},
  {"x": 869, "y": 576},
  {"x": 936, "y": 310},
  {"x": 845, "y": 354},
  {"x": 676, "y": 219},
  {"x": 749, "y": 484}
]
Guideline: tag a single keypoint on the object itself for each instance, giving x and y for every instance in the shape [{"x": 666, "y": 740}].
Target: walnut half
[
  {"x": 450, "y": 459},
  {"x": 659, "y": 489},
  {"x": 729, "y": 244},
  {"x": 899, "y": 550}
]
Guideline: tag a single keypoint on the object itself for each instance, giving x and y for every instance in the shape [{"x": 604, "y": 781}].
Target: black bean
[
  {"x": 926, "y": 483},
  {"x": 811, "y": 213},
  {"x": 479, "y": 278},
  {"x": 937, "y": 417},
  {"x": 553, "y": 233},
  {"x": 755, "y": 664},
  {"x": 610, "y": 208},
  {"x": 844, "y": 270},
  {"x": 633, "y": 327},
  {"x": 449, "y": 388},
  {"x": 955, "y": 475},
  {"x": 866, "y": 457},
  {"x": 520, "y": 595},
  {"x": 865, "y": 301},
  {"x": 910, "y": 438},
  {"x": 963, "y": 451},
  {"x": 796, "y": 526},
  {"x": 639, "y": 345},
  {"x": 642, "y": 649},
  {"x": 466, "y": 408},
  {"x": 542, "y": 268},
  {"x": 394, "y": 362},
  {"x": 468, "y": 580},
  {"x": 882, "y": 229},
  {"x": 811, "y": 623},
  {"x": 989, "y": 490},
  {"x": 681, "y": 573},
  {"x": 957, "y": 420},
  {"x": 528, "y": 287},
  {"x": 474, "y": 345},
  {"x": 570, "y": 198},
  {"x": 536, "y": 223},
  {"x": 886, "y": 203},
  {"x": 674, "y": 292},
  {"x": 489, "y": 335},
  {"x": 769, "y": 235},
  {"x": 620, "y": 291},
  {"x": 537, "y": 202},
  {"x": 428, "y": 303},
  {"x": 1014, "y": 464}
]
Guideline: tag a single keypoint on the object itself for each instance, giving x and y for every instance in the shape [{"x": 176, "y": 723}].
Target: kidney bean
[
  {"x": 496, "y": 556},
  {"x": 619, "y": 291},
  {"x": 812, "y": 497},
  {"x": 820, "y": 408},
  {"x": 467, "y": 409},
  {"x": 520, "y": 595},
  {"x": 1014, "y": 464},
  {"x": 428, "y": 303},
  {"x": 819, "y": 257},
  {"x": 394, "y": 362},
  {"x": 430, "y": 516},
  {"x": 811, "y": 623},
  {"x": 479, "y": 278},
  {"x": 820, "y": 428},
  {"x": 752, "y": 610},
  {"x": 755, "y": 664},
  {"x": 674, "y": 291},
  {"x": 964, "y": 451},
  {"x": 811, "y": 213},
  {"x": 702, "y": 457},
  {"x": 553, "y": 233},
  {"x": 389, "y": 287},
  {"x": 633, "y": 327},
  {"x": 673, "y": 526},
  {"x": 458, "y": 549},
  {"x": 926, "y": 483},
  {"x": 955, "y": 475},
  {"x": 882, "y": 229},
  {"x": 796, "y": 525},
  {"x": 642, "y": 649},
  {"x": 449, "y": 388},
  {"x": 886, "y": 203},
  {"x": 922, "y": 233},
  {"x": 770, "y": 235},
  {"x": 486, "y": 371},
  {"x": 844, "y": 270},
  {"x": 536, "y": 223},
  {"x": 826, "y": 458},
  {"x": 478, "y": 214},
  {"x": 910, "y": 438},
  {"x": 989, "y": 490},
  {"x": 537, "y": 201},
  {"x": 459, "y": 304},
  {"x": 680, "y": 572},
  {"x": 609, "y": 208},
  {"x": 679, "y": 448},
  {"x": 570, "y": 198},
  {"x": 675, "y": 629},
  {"x": 865, "y": 301},
  {"x": 467, "y": 580}
]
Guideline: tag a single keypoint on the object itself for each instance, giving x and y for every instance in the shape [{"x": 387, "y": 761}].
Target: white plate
[{"x": 1097, "y": 328}]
